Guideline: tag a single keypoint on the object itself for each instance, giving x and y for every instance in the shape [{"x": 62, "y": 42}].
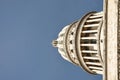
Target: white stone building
[{"x": 93, "y": 42}]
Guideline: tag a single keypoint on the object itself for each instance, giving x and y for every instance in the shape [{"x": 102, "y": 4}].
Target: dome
[
  {"x": 59, "y": 42},
  {"x": 80, "y": 43}
]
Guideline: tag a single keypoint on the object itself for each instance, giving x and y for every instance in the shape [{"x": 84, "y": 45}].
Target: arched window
[
  {"x": 72, "y": 33},
  {"x": 70, "y": 41},
  {"x": 72, "y": 50}
]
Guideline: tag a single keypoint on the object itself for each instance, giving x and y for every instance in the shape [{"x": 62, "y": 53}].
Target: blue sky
[{"x": 27, "y": 28}]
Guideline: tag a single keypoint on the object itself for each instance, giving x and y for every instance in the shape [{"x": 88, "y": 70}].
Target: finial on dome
[{"x": 54, "y": 43}]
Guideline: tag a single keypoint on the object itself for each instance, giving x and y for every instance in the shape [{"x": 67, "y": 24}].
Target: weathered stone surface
[{"x": 111, "y": 18}]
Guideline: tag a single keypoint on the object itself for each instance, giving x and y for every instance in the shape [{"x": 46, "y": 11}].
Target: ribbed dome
[
  {"x": 60, "y": 43},
  {"x": 80, "y": 43}
]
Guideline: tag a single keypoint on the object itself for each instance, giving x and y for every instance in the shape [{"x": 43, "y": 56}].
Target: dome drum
[{"x": 88, "y": 40}]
